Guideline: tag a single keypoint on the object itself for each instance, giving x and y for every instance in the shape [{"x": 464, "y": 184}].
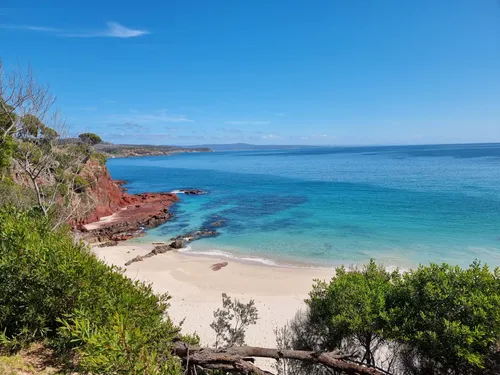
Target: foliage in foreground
[
  {"x": 54, "y": 290},
  {"x": 232, "y": 321},
  {"x": 437, "y": 319}
]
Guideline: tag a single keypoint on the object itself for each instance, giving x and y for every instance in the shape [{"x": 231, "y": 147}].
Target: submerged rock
[
  {"x": 217, "y": 223},
  {"x": 191, "y": 191},
  {"x": 195, "y": 235}
]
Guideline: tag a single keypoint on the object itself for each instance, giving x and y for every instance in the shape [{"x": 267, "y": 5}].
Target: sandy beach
[{"x": 196, "y": 289}]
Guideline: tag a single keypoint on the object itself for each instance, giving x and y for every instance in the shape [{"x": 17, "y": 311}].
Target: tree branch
[{"x": 236, "y": 359}]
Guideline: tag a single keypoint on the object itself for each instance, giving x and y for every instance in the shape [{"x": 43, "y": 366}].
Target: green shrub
[
  {"x": 352, "y": 308},
  {"x": 80, "y": 184},
  {"x": 437, "y": 319},
  {"x": 100, "y": 158},
  {"x": 51, "y": 287},
  {"x": 90, "y": 138},
  {"x": 17, "y": 195},
  {"x": 449, "y": 317}
]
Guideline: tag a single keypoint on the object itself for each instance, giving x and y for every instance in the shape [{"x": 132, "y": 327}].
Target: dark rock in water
[
  {"x": 195, "y": 235},
  {"x": 192, "y": 191},
  {"x": 178, "y": 244},
  {"x": 217, "y": 223}
]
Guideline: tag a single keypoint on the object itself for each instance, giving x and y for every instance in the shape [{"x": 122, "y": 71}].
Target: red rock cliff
[
  {"x": 108, "y": 195},
  {"x": 130, "y": 212}
]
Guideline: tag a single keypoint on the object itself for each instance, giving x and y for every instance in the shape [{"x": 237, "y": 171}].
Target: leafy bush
[
  {"x": 13, "y": 194},
  {"x": 54, "y": 289},
  {"x": 80, "y": 184},
  {"x": 99, "y": 158},
  {"x": 352, "y": 309},
  {"x": 449, "y": 317},
  {"x": 90, "y": 138},
  {"x": 437, "y": 319},
  {"x": 232, "y": 321}
]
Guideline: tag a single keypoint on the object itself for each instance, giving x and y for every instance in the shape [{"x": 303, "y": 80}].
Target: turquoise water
[{"x": 325, "y": 206}]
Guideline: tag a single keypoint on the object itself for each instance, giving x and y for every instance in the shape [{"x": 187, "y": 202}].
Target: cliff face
[
  {"x": 106, "y": 194},
  {"x": 126, "y": 214}
]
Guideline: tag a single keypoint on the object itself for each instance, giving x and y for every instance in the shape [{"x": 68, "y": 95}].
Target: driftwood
[{"x": 239, "y": 359}]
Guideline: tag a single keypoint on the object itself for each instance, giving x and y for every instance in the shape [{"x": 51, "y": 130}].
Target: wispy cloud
[
  {"x": 271, "y": 136},
  {"x": 247, "y": 122},
  {"x": 29, "y": 28},
  {"x": 156, "y": 117},
  {"x": 280, "y": 114},
  {"x": 230, "y": 130},
  {"x": 112, "y": 30},
  {"x": 126, "y": 126}
]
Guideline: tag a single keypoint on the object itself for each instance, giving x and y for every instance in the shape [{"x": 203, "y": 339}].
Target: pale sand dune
[{"x": 196, "y": 289}]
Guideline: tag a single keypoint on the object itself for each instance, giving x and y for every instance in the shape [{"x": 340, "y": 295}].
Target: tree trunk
[{"x": 238, "y": 359}]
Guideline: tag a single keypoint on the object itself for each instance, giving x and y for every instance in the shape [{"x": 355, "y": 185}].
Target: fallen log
[{"x": 238, "y": 359}]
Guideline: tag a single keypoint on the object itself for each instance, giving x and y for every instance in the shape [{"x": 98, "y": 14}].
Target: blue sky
[{"x": 266, "y": 72}]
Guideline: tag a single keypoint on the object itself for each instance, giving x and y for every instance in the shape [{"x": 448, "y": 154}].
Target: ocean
[{"x": 400, "y": 205}]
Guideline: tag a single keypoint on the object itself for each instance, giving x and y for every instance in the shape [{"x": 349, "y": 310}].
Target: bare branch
[{"x": 236, "y": 359}]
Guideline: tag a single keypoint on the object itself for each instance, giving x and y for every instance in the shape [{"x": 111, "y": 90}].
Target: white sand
[{"x": 196, "y": 290}]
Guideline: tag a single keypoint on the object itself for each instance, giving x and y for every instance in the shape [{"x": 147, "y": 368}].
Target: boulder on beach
[{"x": 218, "y": 266}]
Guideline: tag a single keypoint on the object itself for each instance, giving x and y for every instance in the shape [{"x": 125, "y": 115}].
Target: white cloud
[
  {"x": 112, "y": 30},
  {"x": 230, "y": 130},
  {"x": 156, "y": 117},
  {"x": 247, "y": 122},
  {"x": 29, "y": 28},
  {"x": 280, "y": 114},
  {"x": 271, "y": 136}
]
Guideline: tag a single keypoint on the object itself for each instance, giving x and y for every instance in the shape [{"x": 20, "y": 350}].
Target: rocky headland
[
  {"x": 117, "y": 215},
  {"x": 123, "y": 151}
]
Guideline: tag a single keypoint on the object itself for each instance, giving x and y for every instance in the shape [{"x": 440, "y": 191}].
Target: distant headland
[{"x": 110, "y": 150}]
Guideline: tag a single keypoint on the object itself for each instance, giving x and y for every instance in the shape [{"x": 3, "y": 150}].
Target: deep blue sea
[{"x": 401, "y": 205}]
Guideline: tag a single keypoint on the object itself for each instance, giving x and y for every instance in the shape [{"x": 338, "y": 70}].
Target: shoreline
[
  {"x": 245, "y": 256},
  {"x": 196, "y": 288}
]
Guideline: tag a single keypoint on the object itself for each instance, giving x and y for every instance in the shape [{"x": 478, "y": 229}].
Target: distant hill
[
  {"x": 247, "y": 146},
  {"x": 122, "y": 151}
]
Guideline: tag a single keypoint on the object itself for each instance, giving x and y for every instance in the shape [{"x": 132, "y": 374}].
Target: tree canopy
[
  {"x": 90, "y": 138},
  {"x": 437, "y": 319}
]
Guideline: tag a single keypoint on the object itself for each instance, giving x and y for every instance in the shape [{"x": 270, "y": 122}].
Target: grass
[{"x": 36, "y": 359}]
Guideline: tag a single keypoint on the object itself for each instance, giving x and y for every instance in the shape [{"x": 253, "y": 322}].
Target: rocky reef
[{"x": 176, "y": 243}]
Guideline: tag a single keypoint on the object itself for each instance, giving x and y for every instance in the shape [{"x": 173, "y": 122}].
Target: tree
[
  {"x": 22, "y": 95},
  {"x": 352, "y": 310},
  {"x": 90, "y": 138},
  {"x": 448, "y": 317},
  {"x": 232, "y": 321},
  {"x": 438, "y": 320},
  {"x": 30, "y": 129},
  {"x": 6, "y": 141}
]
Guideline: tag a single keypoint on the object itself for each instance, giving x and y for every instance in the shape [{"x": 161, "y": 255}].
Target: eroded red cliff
[{"x": 117, "y": 215}]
